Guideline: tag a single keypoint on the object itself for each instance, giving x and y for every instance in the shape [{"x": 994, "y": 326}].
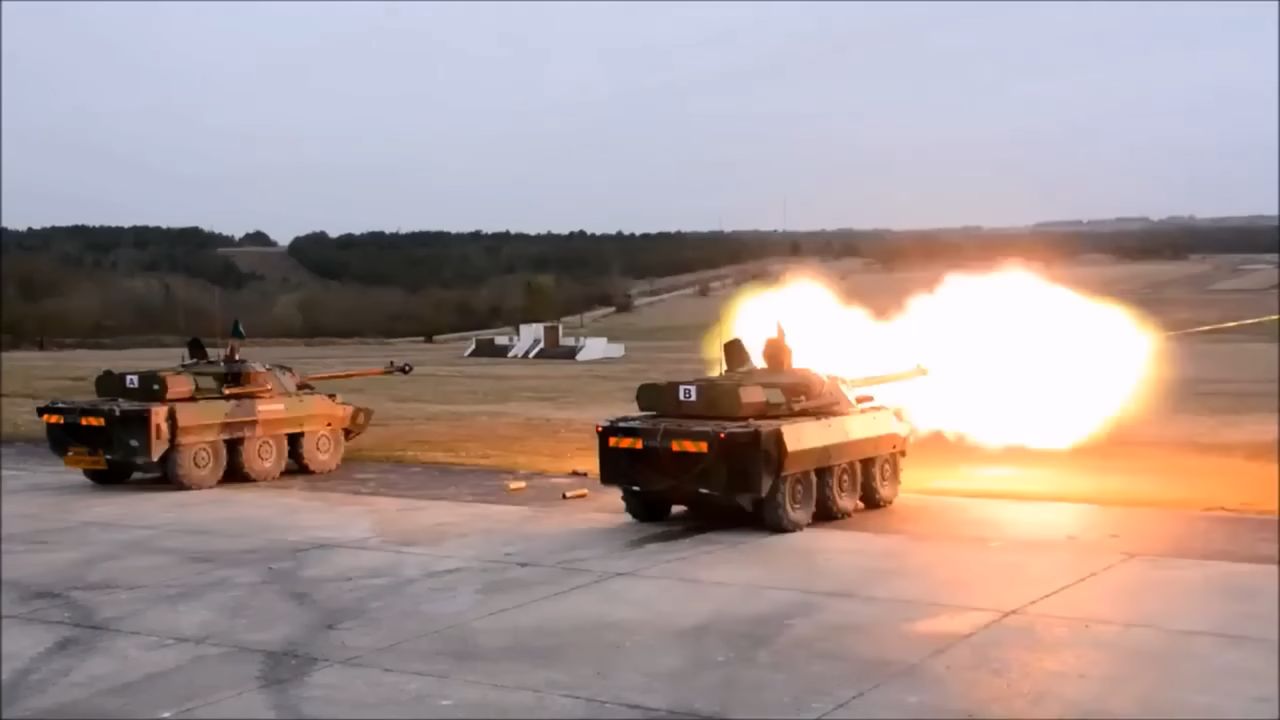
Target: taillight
[{"x": 693, "y": 446}]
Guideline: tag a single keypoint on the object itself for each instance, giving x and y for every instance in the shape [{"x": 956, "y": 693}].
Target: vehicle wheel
[
  {"x": 646, "y": 507},
  {"x": 198, "y": 466},
  {"x": 880, "y": 481},
  {"x": 837, "y": 491},
  {"x": 257, "y": 459},
  {"x": 115, "y": 474},
  {"x": 318, "y": 451},
  {"x": 790, "y": 503}
]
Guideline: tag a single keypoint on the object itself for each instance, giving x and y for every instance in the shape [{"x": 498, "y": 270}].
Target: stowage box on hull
[
  {"x": 707, "y": 399},
  {"x": 149, "y": 386},
  {"x": 759, "y": 394}
]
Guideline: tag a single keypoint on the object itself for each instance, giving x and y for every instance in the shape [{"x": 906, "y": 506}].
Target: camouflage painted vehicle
[
  {"x": 207, "y": 419},
  {"x": 787, "y": 444}
]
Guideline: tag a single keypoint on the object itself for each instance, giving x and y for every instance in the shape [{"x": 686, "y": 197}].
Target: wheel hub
[
  {"x": 843, "y": 481},
  {"x": 202, "y": 458},
  {"x": 266, "y": 451},
  {"x": 795, "y": 493},
  {"x": 324, "y": 444}
]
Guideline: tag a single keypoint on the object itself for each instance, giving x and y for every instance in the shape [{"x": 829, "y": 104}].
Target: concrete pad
[
  {"x": 1121, "y": 530},
  {"x": 78, "y": 500},
  {"x": 15, "y": 522},
  {"x": 327, "y": 602},
  {"x": 52, "y": 670},
  {"x": 1174, "y": 594},
  {"x": 551, "y": 641},
  {"x": 327, "y": 693},
  {"x": 948, "y": 572},
  {"x": 45, "y": 567},
  {"x": 247, "y": 511},
  {"x": 691, "y": 647},
  {"x": 1033, "y": 667},
  {"x": 589, "y": 541}
]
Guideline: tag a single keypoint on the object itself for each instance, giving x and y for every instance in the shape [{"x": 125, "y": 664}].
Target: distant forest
[{"x": 98, "y": 282}]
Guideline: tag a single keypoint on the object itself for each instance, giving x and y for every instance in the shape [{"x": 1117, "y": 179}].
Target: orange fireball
[{"x": 1014, "y": 360}]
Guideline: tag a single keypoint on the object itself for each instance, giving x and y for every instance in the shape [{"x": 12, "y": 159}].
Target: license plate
[{"x": 85, "y": 461}]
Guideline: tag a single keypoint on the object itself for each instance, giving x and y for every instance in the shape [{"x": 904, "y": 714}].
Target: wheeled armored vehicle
[
  {"x": 786, "y": 444},
  {"x": 206, "y": 420}
]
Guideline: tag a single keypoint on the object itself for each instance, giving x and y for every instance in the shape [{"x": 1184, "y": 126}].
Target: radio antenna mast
[{"x": 720, "y": 338}]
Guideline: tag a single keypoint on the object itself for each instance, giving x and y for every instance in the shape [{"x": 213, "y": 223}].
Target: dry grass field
[{"x": 1208, "y": 440}]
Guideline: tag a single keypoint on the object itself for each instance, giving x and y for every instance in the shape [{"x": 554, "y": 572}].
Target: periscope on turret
[
  {"x": 787, "y": 444},
  {"x": 207, "y": 419}
]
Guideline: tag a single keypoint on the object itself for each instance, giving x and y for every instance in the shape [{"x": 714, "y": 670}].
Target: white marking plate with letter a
[{"x": 688, "y": 393}]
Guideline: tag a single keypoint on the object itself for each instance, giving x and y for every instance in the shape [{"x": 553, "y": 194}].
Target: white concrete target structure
[{"x": 544, "y": 341}]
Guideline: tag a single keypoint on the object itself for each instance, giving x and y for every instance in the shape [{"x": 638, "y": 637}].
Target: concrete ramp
[
  {"x": 598, "y": 348},
  {"x": 544, "y": 341},
  {"x": 488, "y": 347}
]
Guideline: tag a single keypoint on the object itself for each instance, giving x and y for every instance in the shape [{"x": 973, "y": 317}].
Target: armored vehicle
[
  {"x": 207, "y": 419},
  {"x": 787, "y": 444}
]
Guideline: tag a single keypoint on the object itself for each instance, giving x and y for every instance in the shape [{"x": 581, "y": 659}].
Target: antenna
[
  {"x": 720, "y": 339},
  {"x": 217, "y": 313}
]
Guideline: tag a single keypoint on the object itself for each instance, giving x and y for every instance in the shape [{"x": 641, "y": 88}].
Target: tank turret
[
  {"x": 201, "y": 377},
  {"x": 744, "y": 391}
]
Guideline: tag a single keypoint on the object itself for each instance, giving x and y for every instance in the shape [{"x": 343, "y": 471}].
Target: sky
[{"x": 297, "y": 116}]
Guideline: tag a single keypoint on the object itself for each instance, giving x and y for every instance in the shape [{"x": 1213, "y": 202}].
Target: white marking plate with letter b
[{"x": 688, "y": 393}]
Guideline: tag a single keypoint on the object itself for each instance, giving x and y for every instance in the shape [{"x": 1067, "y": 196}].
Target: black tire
[
  {"x": 790, "y": 504},
  {"x": 198, "y": 466},
  {"x": 838, "y": 489},
  {"x": 881, "y": 479},
  {"x": 646, "y": 507},
  {"x": 114, "y": 474},
  {"x": 260, "y": 458},
  {"x": 318, "y": 451}
]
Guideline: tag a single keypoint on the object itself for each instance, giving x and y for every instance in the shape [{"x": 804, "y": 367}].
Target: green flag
[{"x": 237, "y": 330}]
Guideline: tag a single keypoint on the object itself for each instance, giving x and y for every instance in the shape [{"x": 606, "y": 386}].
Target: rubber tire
[
  {"x": 181, "y": 469},
  {"x": 245, "y": 458},
  {"x": 115, "y": 474},
  {"x": 881, "y": 478},
  {"x": 304, "y": 449},
  {"x": 838, "y": 490},
  {"x": 646, "y": 507},
  {"x": 790, "y": 504}
]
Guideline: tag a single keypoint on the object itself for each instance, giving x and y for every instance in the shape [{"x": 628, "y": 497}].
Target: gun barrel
[
  {"x": 870, "y": 380},
  {"x": 389, "y": 369},
  {"x": 238, "y": 390}
]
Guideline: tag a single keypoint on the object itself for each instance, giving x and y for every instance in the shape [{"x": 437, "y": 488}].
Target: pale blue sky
[{"x": 644, "y": 116}]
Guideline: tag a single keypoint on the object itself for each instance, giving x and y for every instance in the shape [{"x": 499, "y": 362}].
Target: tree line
[
  {"x": 101, "y": 282},
  {"x": 418, "y": 260}
]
